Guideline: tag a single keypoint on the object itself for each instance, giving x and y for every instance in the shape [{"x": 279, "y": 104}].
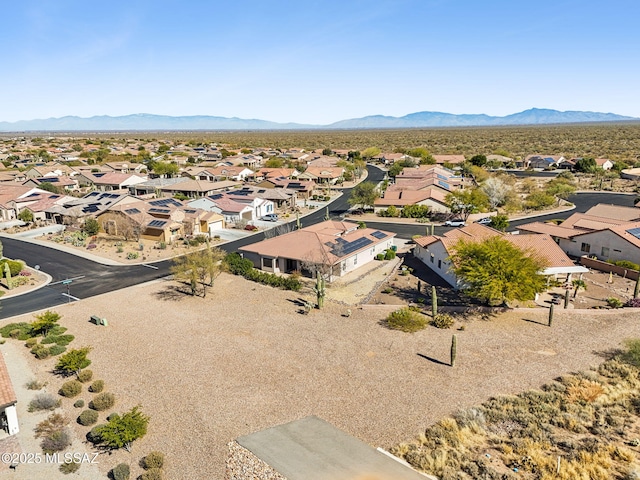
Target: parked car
[
  {"x": 270, "y": 217},
  {"x": 484, "y": 221},
  {"x": 455, "y": 223},
  {"x": 251, "y": 228}
]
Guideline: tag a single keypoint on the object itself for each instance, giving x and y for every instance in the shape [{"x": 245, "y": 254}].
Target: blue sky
[{"x": 317, "y": 61}]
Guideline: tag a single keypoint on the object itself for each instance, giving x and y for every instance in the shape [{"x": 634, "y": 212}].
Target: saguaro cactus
[
  {"x": 551, "y": 314},
  {"x": 566, "y": 300},
  {"x": 320, "y": 290},
  {"x": 434, "y": 302},
  {"x": 7, "y": 274},
  {"x": 454, "y": 349}
]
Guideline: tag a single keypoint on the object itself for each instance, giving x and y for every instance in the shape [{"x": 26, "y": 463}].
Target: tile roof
[
  {"x": 550, "y": 229},
  {"x": 540, "y": 245},
  {"x": 317, "y": 243},
  {"x": 617, "y": 212},
  {"x": 449, "y": 158},
  {"x": 7, "y": 394}
]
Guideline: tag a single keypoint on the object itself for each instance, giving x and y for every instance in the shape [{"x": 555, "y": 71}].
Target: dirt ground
[{"x": 243, "y": 359}]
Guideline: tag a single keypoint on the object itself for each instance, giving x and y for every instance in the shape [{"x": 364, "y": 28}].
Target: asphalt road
[{"x": 89, "y": 278}]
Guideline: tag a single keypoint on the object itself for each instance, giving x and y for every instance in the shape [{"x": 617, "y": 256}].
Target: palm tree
[{"x": 577, "y": 285}]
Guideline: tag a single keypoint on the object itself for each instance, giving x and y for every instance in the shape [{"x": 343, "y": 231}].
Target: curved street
[{"x": 90, "y": 278}]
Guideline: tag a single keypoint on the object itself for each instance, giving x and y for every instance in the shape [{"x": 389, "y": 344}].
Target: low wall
[{"x": 607, "y": 267}]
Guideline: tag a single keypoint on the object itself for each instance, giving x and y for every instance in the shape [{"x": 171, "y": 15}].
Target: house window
[
  {"x": 432, "y": 257},
  {"x": 439, "y": 263},
  {"x": 267, "y": 262},
  {"x": 605, "y": 252},
  {"x": 355, "y": 260},
  {"x": 586, "y": 248}
]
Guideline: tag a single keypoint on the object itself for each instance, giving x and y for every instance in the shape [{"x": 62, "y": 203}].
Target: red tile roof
[{"x": 7, "y": 394}]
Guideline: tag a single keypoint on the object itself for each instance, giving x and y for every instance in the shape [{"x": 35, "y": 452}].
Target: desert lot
[{"x": 243, "y": 359}]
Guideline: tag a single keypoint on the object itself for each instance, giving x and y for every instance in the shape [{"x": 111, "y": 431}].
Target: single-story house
[
  {"x": 320, "y": 175},
  {"x": 435, "y": 251},
  {"x": 434, "y": 198},
  {"x": 449, "y": 159},
  {"x": 197, "y": 188},
  {"x": 110, "y": 181},
  {"x": 231, "y": 210},
  {"x": 302, "y": 188},
  {"x": 608, "y": 232},
  {"x": 543, "y": 161},
  {"x": 333, "y": 247}
]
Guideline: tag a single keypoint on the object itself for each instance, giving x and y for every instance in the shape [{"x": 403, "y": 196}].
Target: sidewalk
[{"x": 24, "y": 441}]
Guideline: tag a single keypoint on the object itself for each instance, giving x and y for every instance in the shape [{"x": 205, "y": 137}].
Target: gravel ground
[{"x": 242, "y": 359}]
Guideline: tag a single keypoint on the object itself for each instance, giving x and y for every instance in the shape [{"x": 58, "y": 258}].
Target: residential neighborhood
[{"x": 289, "y": 267}]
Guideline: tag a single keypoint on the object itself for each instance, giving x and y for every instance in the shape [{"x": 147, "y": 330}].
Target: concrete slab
[{"x": 312, "y": 449}]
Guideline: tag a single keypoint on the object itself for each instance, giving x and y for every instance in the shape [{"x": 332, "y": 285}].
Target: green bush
[
  {"x": 94, "y": 434},
  {"x": 380, "y": 256},
  {"x": 389, "y": 254},
  {"x": 132, "y": 255},
  {"x": 443, "y": 320},
  {"x": 79, "y": 403},
  {"x": 121, "y": 472},
  {"x": 244, "y": 267},
  {"x": 85, "y": 375},
  {"x": 40, "y": 351},
  {"x": 153, "y": 474},
  {"x": 70, "y": 389},
  {"x": 69, "y": 467},
  {"x": 406, "y": 320},
  {"x": 97, "y": 386},
  {"x": 21, "y": 331},
  {"x": 88, "y": 417},
  {"x": 102, "y": 401},
  {"x": 15, "y": 266},
  {"x": 626, "y": 264},
  {"x": 57, "y": 350},
  {"x": 614, "y": 302},
  {"x": 153, "y": 460},
  {"x": 62, "y": 340},
  {"x": 30, "y": 343},
  {"x": 415, "y": 211},
  {"x": 238, "y": 265}
]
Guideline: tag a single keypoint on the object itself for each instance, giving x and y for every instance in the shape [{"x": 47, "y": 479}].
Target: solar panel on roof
[
  {"x": 189, "y": 210},
  {"x": 132, "y": 211},
  {"x": 215, "y": 196},
  {"x": 159, "y": 210},
  {"x": 350, "y": 247},
  {"x": 634, "y": 231},
  {"x": 378, "y": 234},
  {"x": 92, "y": 194},
  {"x": 157, "y": 223}
]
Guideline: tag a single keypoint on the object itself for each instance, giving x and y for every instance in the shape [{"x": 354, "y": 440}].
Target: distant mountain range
[{"x": 144, "y": 121}]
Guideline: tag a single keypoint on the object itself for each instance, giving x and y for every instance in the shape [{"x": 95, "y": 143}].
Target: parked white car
[
  {"x": 484, "y": 221},
  {"x": 455, "y": 223},
  {"x": 270, "y": 217}
]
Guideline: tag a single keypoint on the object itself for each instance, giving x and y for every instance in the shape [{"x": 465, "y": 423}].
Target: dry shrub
[
  {"x": 585, "y": 391},
  {"x": 53, "y": 423}
]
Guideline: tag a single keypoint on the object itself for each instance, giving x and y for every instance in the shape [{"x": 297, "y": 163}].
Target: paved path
[{"x": 24, "y": 441}]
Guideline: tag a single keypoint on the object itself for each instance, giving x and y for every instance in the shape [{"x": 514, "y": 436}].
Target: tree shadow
[
  {"x": 608, "y": 354},
  {"x": 173, "y": 293},
  {"x": 434, "y": 360}
]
